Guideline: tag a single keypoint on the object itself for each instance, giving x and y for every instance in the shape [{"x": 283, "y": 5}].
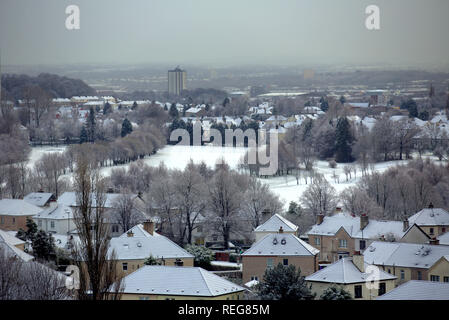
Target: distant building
[{"x": 177, "y": 80}]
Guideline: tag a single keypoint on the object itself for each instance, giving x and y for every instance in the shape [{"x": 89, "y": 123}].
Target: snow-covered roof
[
  {"x": 11, "y": 250},
  {"x": 444, "y": 238},
  {"x": 430, "y": 217},
  {"x": 141, "y": 245},
  {"x": 69, "y": 199},
  {"x": 418, "y": 290},
  {"x": 251, "y": 283},
  {"x": 38, "y": 198},
  {"x": 16, "y": 207},
  {"x": 344, "y": 272},
  {"x": 182, "y": 281},
  {"x": 7, "y": 237},
  {"x": 374, "y": 230},
  {"x": 58, "y": 212},
  {"x": 411, "y": 255},
  {"x": 359, "y": 104},
  {"x": 274, "y": 223},
  {"x": 281, "y": 244},
  {"x": 276, "y": 118}
]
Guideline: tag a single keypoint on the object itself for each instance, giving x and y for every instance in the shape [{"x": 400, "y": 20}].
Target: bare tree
[
  {"x": 97, "y": 267},
  {"x": 191, "y": 198},
  {"x": 225, "y": 200},
  {"x": 258, "y": 199},
  {"x": 320, "y": 196},
  {"x": 125, "y": 212}
]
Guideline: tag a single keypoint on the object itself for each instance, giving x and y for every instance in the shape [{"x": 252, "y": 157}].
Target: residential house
[
  {"x": 175, "y": 283},
  {"x": 408, "y": 261},
  {"x": 273, "y": 225},
  {"x": 40, "y": 199},
  {"x": 350, "y": 273},
  {"x": 14, "y": 213},
  {"x": 415, "y": 234},
  {"x": 68, "y": 199},
  {"x": 418, "y": 290},
  {"x": 340, "y": 235},
  {"x": 56, "y": 219},
  {"x": 140, "y": 242},
  {"x": 434, "y": 221},
  {"x": 439, "y": 272},
  {"x": 275, "y": 248}
]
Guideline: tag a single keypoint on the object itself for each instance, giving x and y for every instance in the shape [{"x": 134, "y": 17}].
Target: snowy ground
[{"x": 177, "y": 157}]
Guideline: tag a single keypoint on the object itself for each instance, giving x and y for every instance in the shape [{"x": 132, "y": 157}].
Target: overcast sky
[{"x": 225, "y": 32}]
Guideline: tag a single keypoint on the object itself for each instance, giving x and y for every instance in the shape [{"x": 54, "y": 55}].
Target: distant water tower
[{"x": 177, "y": 80}]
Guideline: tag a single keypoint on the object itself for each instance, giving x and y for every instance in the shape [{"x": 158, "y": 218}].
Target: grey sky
[{"x": 228, "y": 32}]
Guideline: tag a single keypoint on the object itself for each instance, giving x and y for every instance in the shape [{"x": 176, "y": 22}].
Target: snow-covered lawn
[{"x": 177, "y": 157}]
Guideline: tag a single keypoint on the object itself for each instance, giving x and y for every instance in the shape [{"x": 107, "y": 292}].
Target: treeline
[
  {"x": 343, "y": 141},
  {"x": 15, "y": 86},
  {"x": 221, "y": 127},
  {"x": 222, "y": 201}
]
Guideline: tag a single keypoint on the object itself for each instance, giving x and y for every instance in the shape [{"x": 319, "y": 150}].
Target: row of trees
[{"x": 223, "y": 200}]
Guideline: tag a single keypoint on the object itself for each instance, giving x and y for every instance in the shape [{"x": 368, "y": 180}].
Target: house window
[
  {"x": 199, "y": 229},
  {"x": 254, "y": 278},
  {"x": 446, "y": 279},
  {"x": 382, "y": 288},
  {"x": 125, "y": 266},
  {"x": 357, "y": 292},
  {"x": 115, "y": 228},
  {"x": 431, "y": 231},
  {"x": 317, "y": 241},
  {"x": 419, "y": 275},
  {"x": 52, "y": 224},
  {"x": 270, "y": 263},
  {"x": 13, "y": 220},
  {"x": 285, "y": 261},
  {"x": 362, "y": 244},
  {"x": 39, "y": 223},
  {"x": 1, "y": 220},
  {"x": 402, "y": 274},
  {"x": 144, "y": 298},
  {"x": 389, "y": 271},
  {"x": 343, "y": 243},
  {"x": 443, "y": 230},
  {"x": 435, "y": 278}
]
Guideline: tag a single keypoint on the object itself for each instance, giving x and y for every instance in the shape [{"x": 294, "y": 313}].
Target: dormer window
[
  {"x": 283, "y": 241},
  {"x": 275, "y": 241}
]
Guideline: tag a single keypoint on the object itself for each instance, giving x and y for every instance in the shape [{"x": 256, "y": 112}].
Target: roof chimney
[
  {"x": 358, "y": 261},
  {"x": 319, "y": 219},
  {"x": 281, "y": 230},
  {"x": 130, "y": 234},
  {"x": 434, "y": 241},
  {"x": 431, "y": 205},
  {"x": 363, "y": 221},
  {"x": 148, "y": 226},
  {"x": 405, "y": 225}
]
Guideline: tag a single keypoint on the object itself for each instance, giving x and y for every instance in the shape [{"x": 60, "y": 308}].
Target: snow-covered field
[{"x": 177, "y": 157}]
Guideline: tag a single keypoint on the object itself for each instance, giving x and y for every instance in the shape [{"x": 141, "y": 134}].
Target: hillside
[{"x": 57, "y": 86}]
